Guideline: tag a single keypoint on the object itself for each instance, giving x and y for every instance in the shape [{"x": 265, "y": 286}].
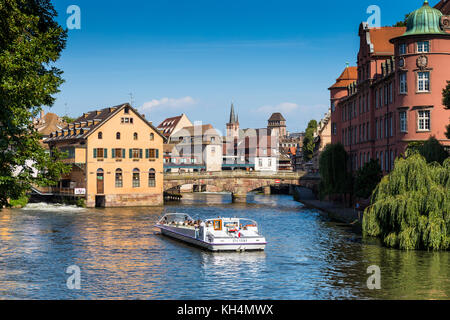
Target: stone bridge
[{"x": 239, "y": 183}]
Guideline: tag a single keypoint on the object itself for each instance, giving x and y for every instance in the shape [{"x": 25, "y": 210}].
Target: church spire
[{"x": 232, "y": 115}]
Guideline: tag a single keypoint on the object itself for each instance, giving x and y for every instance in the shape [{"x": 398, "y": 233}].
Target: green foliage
[
  {"x": 20, "y": 202},
  {"x": 446, "y": 96},
  {"x": 30, "y": 43},
  {"x": 367, "y": 179},
  {"x": 335, "y": 176},
  {"x": 433, "y": 151},
  {"x": 402, "y": 23},
  {"x": 308, "y": 141},
  {"x": 410, "y": 208},
  {"x": 68, "y": 119},
  {"x": 81, "y": 203},
  {"x": 447, "y": 133}
]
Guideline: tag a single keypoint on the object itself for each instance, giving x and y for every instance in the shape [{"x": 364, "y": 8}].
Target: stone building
[
  {"x": 115, "y": 158},
  {"x": 277, "y": 124},
  {"x": 396, "y": 97},
  {"x": 194, "y": 148}
]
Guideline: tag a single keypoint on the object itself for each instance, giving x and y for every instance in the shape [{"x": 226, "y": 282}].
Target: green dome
[{"x": 425, "y": 20}]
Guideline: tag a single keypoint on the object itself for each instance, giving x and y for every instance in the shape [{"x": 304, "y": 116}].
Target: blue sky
[{"x": 196, "y": 56}]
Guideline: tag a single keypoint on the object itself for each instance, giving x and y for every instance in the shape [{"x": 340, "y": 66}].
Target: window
[
  {"x": 391, "y": 93},
  {"x": 100, "y": 135},
  {"x": 270, "y": 163},
  {"x": 391, "y": 126},
  {"x": 136, "y": 178},
  {"x": 403, "y": 83},
  {"x": 403, "y": 121},
  {"x": 135, "y": 136},
  {"x": 381, "y": 161},
  {"x": 100, "y": 153},
  {"x": 334, "y": 128},
  {"x": 135, "y": 153},
  {"x": 424, "y": 120},
  {"x": 376, "y": 128},
  {"x": 333, "y": 107},
  {"x": 152, "y": 153},
  {"x": 402, "y": 48},
  {"x": 381, "y": 128},
  {"x": 152, "y": 136},
  {"x": 423, "y": 46},
  {"x": 119, "y": 178},
  {"x": 127, "y": 110},
  {"x": 152, "y": 178},
  {"x": 260, "y": 162},
  {"x": 118, "y": 136},
  {"x": 118, "y": 153},
  {"x": 423, "y": 81}
]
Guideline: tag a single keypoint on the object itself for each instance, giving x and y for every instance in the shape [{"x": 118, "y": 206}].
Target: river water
[{"x": 121, "y": 256}]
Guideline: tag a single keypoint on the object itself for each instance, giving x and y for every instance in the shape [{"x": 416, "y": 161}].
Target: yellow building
[{"x": 116, "y": 158}]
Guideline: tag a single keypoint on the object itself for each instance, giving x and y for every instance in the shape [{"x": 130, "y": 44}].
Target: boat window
[{"x": 218, "y": 225}]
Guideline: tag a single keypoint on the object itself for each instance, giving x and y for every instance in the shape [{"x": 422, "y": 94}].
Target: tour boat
[{"x": 221, "y": 234}]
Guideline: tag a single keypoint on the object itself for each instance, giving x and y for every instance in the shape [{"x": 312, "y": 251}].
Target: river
[{"x": 121, "y": 256}]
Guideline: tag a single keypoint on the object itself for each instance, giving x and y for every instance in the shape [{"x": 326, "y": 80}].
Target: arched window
[
  {"x": 152, "y": 136},
  {"x": 152, "y": 178},
  {"x": 100, "y": 135},
  {"x": 118, "y": 135},
  {"x": 119, "y": 178},
  {"x": 135, "y": 136},
  {"x": 136, "y": 178}
]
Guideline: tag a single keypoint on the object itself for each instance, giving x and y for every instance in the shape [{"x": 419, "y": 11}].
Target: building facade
[
  {"x": 172, "y": 125},
  {"x": 396, "y": 97},
  {"x": 195, "y": 148},
  {"x": 115, "y": 158}
]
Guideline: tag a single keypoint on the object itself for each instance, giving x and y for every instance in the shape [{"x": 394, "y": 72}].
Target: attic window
[
  {"x": 100, "y": 135},
  {"x": 127, "y": 110}
]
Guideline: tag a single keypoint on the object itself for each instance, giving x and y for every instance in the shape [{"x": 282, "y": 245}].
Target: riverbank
[{"x": 334, "y": 211}]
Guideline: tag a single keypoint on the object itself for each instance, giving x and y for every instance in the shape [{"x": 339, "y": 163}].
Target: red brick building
[{"x": 394, "y": 95}]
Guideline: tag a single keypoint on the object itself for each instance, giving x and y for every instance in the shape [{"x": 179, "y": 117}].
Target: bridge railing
[{"x": 234, "y": 174}]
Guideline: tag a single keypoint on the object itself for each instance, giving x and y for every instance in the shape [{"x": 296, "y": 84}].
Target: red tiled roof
[
  {"x": 380, "y": 37},
  {"x": 348, "y": 76},
  {"x": 444, "y": 6},
  {"x": 167, "y": 126}
]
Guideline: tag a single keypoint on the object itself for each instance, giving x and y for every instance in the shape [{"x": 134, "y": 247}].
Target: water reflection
[{"x": 122, "y": 256}]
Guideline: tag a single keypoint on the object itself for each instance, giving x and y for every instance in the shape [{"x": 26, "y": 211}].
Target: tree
[
  {"x": 367, "y": 179},
  {"x": 68, "y": 119},
  {"x": 446, "y": 96},
  {"x": 447, "y": 134},
  {"x": 308, "y": 141},
  {"x": 402, "y": 23},
  {"x": 31, "y": 41},
  {"x": 410, "y": 208},
  {"x": 431, "y": 150},
  {"x": 334, "y": 173}
]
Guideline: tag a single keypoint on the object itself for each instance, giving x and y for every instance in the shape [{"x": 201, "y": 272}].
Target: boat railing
[{"x": 175, "y": 217}]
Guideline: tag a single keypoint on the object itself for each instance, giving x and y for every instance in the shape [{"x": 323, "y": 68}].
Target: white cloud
[
  {"x": 168, "y": 103},
  {"x": 285, "y": 107}
]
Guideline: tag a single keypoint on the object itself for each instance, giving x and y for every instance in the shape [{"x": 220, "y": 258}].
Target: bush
[
  {"x": 410, "y": 208},
  {"x": 19, "y": 203}
]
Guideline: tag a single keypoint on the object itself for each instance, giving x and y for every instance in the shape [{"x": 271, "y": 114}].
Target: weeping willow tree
[{"x": 410, "y": 208}]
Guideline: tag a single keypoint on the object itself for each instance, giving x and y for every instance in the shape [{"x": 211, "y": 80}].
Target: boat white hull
[{"x": 232, "y": 244}]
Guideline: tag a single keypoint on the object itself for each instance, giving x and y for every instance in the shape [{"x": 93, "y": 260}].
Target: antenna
[{"x": 132, "y": 99}]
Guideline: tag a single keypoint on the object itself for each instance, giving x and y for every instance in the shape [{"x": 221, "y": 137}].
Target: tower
[
  {"x": 233, "y": 124},
  {"x": 277, "y": 123}
]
